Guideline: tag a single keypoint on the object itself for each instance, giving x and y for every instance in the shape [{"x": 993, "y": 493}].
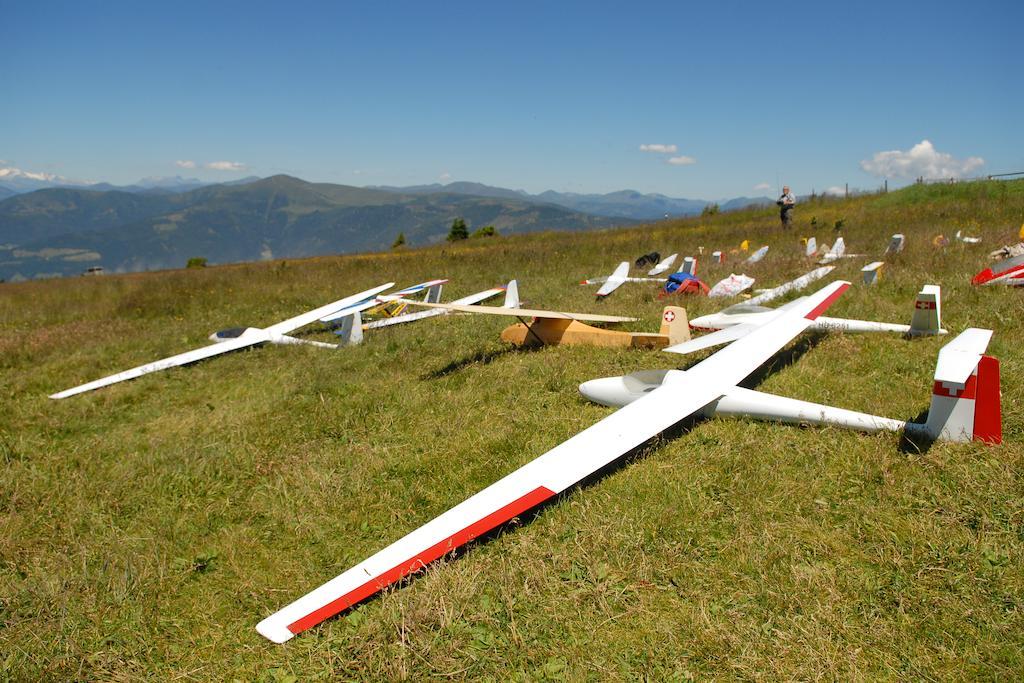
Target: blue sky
[{"x": 524, "y": 95}]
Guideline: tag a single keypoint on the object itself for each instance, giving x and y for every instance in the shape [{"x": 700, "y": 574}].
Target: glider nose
[{"x": 619, "y": 391}]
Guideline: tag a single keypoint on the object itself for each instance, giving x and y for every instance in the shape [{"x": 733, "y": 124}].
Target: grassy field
[{"x": 147, "y": 527}]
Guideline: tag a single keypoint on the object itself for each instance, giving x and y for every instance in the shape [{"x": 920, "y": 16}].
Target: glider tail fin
[
  {"x": 433, "y": 293},
  {"x": 511, "y": 295},
  {"x": 675, "y": 325},
  {"x": 927, "y": 317},
  {"x": 969, "y": 410},
  {"x": 350, "y": 329}
]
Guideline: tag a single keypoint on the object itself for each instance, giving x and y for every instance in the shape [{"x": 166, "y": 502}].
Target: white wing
[
  {"x": 249, "y": 339},
  {"x": 663, "y": 266},
  {"x": 615, "y": 279},
  {"x": 527, "y": 312},
  {"x": 551, "y": 473},
  {"x": 286, "y": 326}
]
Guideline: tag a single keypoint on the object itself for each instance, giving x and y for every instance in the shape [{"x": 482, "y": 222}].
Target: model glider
[
  {"x": 233, "y": 340},
  {"x": 896, "y": 244},
  {"x": 811, "y": 248},
  {"x": 554, "y": 331},
  {"x": 511, "y": 301},
  {"x": 961, "y": 406},
  {"x": 553, "y": 472},
  {"x": 966, "y": 239},
  {"x": 836, "y": 252},
  {"x": 1006, "y": 272},
  {"x": 664, "y": 265},
  {"x": 619, "y": 277},
  {"x": 740, "y": 320},
  {"x": 348, "y": 321},
  {"x": 965, "y": 402}
]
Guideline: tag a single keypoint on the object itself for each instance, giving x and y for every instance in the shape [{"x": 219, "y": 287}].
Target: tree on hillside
[
  {"x": 458, "y": 231},
  {"x": 709, "y": 210},
  {"x": 196, "y": 262},
  {"x": 399, "y": 241}
]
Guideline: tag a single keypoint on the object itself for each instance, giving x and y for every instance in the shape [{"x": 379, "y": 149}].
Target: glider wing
[
  {"x": 528, "y": 312},
  {"x": 286, "y": 326},
  {"x": 249, "y": 339}
]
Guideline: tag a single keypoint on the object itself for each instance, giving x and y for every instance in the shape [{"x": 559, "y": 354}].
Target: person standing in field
[{"x": 786, "y": 203}]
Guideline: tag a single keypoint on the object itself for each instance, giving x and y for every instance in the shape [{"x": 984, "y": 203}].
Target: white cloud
[
  {"x": 185, "y": 163},
  {"x": 225, "y": 166},
  {"x": 681, "y": 161},
  {"x": 760, "y": 187},
  {"x": 835, "y": 191},
  {"x": 659, "y": 149},
  {"x": 921, "y": 160},
  {"x": 445, "y": 177}
]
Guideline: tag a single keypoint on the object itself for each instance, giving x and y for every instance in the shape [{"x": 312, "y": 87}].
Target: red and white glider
[
  {"x": 1007, "y": 272},
  {"x": 565, "y": 465}
]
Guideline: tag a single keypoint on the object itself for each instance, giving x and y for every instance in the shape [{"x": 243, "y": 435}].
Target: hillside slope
[{"x": 147, "y": 527}]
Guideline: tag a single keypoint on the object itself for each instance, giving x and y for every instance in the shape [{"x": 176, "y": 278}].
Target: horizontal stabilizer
[
  {"x": 729, "y": 334},
  {"x": 959, "y": 358}
]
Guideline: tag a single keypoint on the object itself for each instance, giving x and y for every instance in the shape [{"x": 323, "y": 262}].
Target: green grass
[{"x": 147, "y": 527}]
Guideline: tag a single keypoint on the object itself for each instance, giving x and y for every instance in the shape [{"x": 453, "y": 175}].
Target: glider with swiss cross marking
[
  {"x": 680, "y": 396},
  {"x": 539, "y": 327},
  {"x": 232, "y": 340}
]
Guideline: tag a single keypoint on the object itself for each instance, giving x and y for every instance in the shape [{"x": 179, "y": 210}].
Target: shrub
[
  {"x": 486, "y": 231},
  {"x": 196, "y": 262}
]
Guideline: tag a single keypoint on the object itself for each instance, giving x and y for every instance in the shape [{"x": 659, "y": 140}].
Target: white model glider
[
  {"x": 348, "y": 321},
  {"x": 685, "y": 394},
  {"x": 740, "y": 320},
  {"x": 233, "y": 340},
  {"x": 811, "y": 248},
  {"x": 966, "y": 239},
  {"x": 965, "y": 403},
  {"x": 609, "y": 283},
  {"x": 836, "y": 252},
  {"x": 511, "y": 301},
  {"x": 664, "y": 265}
]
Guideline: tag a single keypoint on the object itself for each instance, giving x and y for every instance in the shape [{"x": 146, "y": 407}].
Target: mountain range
[
  {"x": 62, "y": 231},
  {"x": 622, "y": 204},
  {"x": 52, "y": 226}
]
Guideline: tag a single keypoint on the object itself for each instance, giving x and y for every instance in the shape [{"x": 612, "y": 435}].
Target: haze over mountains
[
  {"x": 64, "y": 227},
  {"x": 621, "y": 204}
]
